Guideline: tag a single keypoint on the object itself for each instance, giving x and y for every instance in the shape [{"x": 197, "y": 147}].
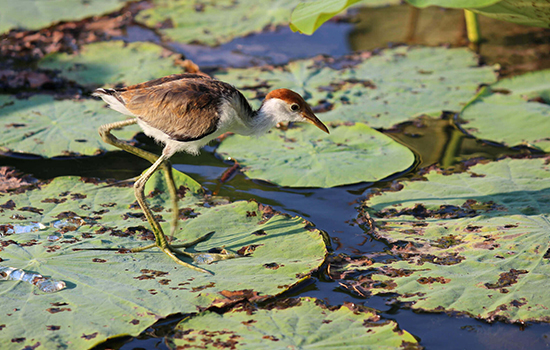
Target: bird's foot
[{"x": 199, "y": 257}]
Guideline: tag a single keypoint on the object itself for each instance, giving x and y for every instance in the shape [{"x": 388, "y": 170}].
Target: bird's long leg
[
  {"x": 160, "y": 238},
  {"x": 105, "y": 133}
]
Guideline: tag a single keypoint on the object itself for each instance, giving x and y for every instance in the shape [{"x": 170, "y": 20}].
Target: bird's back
[{"x": 185, "y": 107}]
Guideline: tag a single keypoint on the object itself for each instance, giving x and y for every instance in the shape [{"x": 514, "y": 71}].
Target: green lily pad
[
  {"x": 306, "y": 157},
  {"x": 109, "y": 293},
  {"x": 388, "y": 88},
  {"x": 309, "y": 324},
  {"x": 217, "y": 22},
  {"x": 47, "y": 127},
  {"x": 302, "y": 76},
  {"x": 111, "y": 63},
  {"x": 307, "y": 17},
  {"x": 477, "y": 242},
  {"x": 511, "y": 111},
  {"x": 403, "y": 83},
  {"x": 35, "y": 14}
]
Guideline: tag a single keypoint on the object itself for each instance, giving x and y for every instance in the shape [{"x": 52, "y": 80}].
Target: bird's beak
[{"x": 311, "y": 118}]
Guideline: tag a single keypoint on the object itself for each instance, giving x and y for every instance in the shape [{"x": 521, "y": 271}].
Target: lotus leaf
[
  {"x": 477, "y": 241},
  {"x": 403, "y": 83},
  {"x": 80, "y": 218},
  {"x": 111, "y": 63},
  {"x": 216, "y": 22},
  {"x": 309, "y": 324},
  {"x": 511, "y": 111},
  {"x": 527, "y": 12},
  {"x": 388, "y": 88},
  {"x": 302, "y": 76},
  {"x": 307, "y": 17},
  {"x": 452, "y": 3},
  {"x": 304, "y": 157},
  {"x": 48, "y": 127},
  {"x": 35, "y": 14}
]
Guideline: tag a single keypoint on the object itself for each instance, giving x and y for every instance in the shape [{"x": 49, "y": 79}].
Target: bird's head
[{"x": 287, "y": 106}]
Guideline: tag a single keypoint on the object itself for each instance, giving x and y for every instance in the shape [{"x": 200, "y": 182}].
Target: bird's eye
[{"x": 294, "y": 107}]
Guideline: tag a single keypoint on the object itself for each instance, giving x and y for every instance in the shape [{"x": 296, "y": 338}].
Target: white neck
[{"x": 272, "y": 112}]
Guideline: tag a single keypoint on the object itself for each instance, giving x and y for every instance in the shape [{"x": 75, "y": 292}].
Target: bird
[{"x": 184, "y": 112}]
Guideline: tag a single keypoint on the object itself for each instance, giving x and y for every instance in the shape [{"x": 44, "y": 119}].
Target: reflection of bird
[{"x": 185, "y": 112}]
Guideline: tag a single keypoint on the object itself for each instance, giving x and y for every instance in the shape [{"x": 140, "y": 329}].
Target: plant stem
[{"x": 472, "y": 26}]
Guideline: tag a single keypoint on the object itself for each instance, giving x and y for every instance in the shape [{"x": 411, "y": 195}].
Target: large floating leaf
[
  {"x": 306, "y": 325},
  {"x": 302, "y": 76},
  {"x": 307, "y": 17},
  {"x": 113, "y": 62},
  {"x": 478, "y": 241},
  {"x": 35, "y": 14},
  {"x": 388, "y": 88},
  {"x": 109, "y": 293},
  {"x": 403, "y": 83},
  {"x": 306, "y": 157},
  {"x": 47, "y": 127},
  {"x": 215, "y": 22},
  {"x": 513, "y": 111}
]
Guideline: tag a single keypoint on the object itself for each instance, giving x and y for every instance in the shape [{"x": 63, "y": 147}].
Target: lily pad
[
  {"x": 44, "y": 126},
  {"x": 113, "y": 62},
  {"x": 309, "y": 324},
  {"x": 307, "y": 17},
  {"x": 35, "y": 14},
  {"x": 304, "y": 157},
  {"x": 475, "y": 242},
  {"x": 403, "y": 83},
  {"x": 388, "y": 88},
  {"x": 216, "y": 22},
  {"x": 111, "y": 293},
  {"x": 514, "y": 111},
  {"x": 302, "y": 76}
]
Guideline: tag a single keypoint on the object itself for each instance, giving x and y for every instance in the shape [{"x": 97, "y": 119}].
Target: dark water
[{"x": 334, "y": 209}]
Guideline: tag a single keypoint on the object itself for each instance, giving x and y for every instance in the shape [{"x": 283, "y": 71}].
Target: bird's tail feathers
[{"x": 113, "y": 99}]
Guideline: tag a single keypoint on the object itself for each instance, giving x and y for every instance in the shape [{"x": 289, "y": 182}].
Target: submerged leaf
[
  {"x": 308, "y": 324},
  {"x": 477, "y": 241},
  {"x": 112, "y": 292},
  {"x": 306, "y": 157}
]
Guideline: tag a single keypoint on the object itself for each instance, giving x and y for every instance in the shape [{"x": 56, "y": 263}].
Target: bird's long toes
[{"x": 208, "y": 258}]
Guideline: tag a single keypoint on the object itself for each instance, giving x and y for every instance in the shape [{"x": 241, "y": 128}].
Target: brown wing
[{"x": 183, "y": 106}]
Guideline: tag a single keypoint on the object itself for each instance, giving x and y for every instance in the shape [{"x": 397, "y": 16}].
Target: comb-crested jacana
[{"x": 185, "y": 112}]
